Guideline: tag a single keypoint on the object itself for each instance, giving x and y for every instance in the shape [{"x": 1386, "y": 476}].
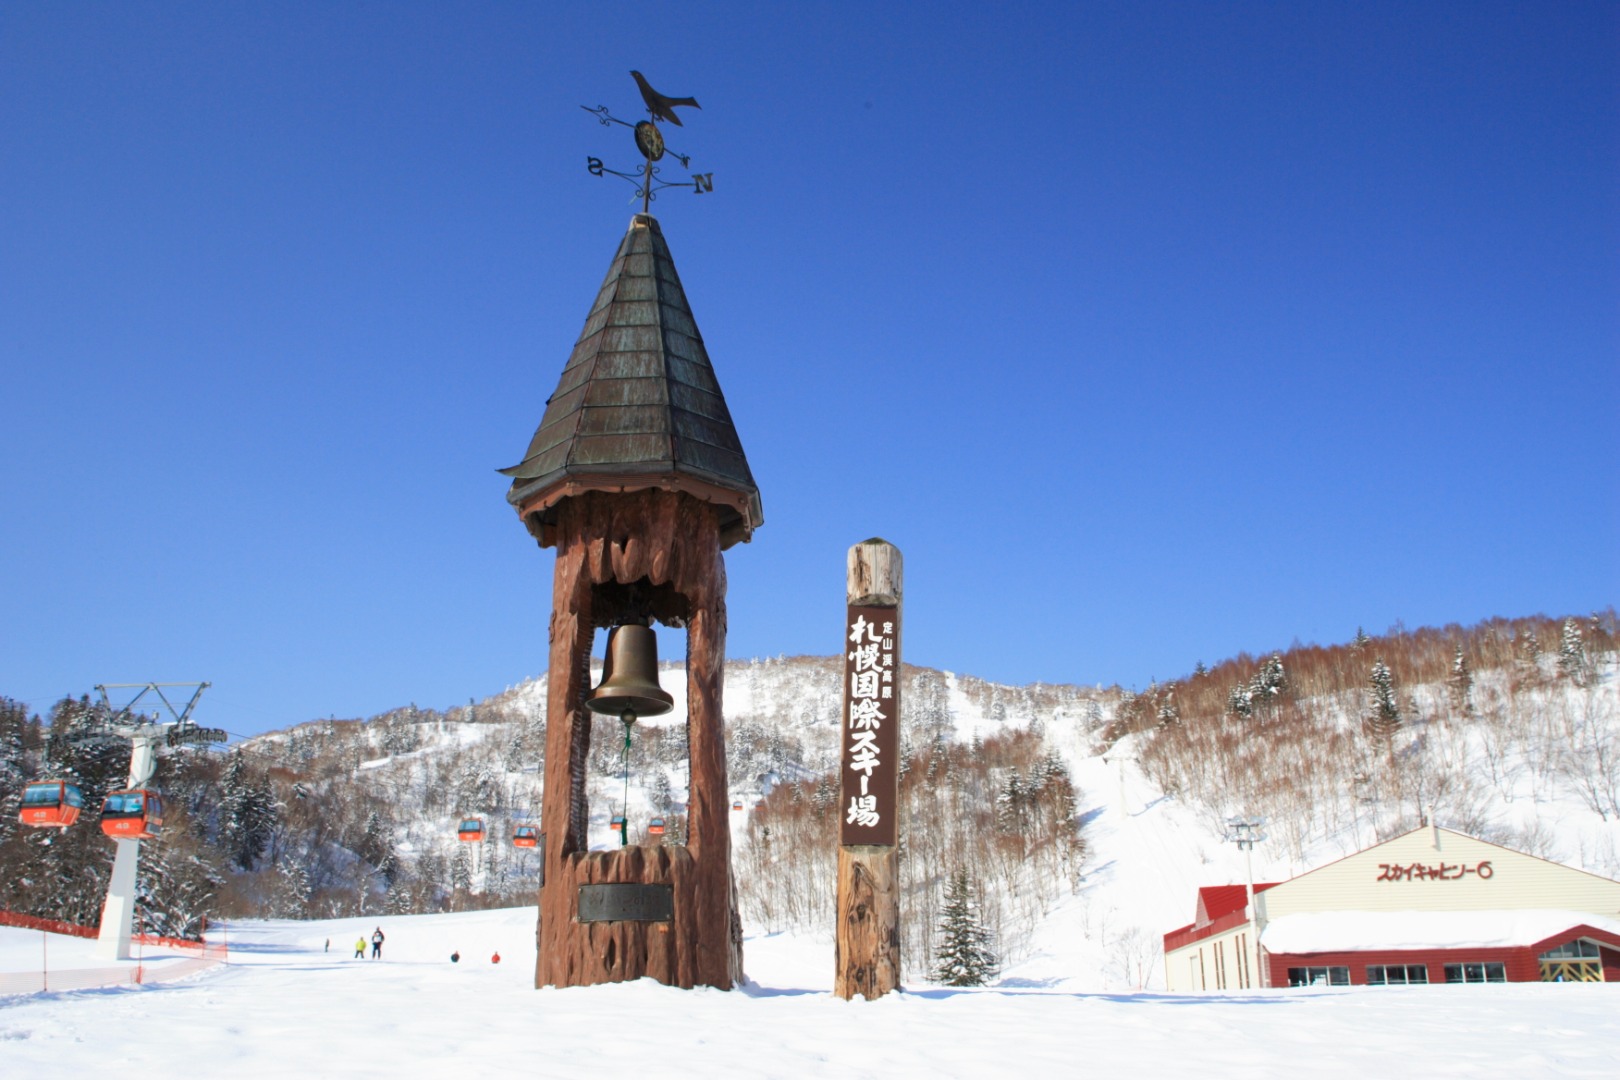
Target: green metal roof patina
[{"x": 638, "y": 405}]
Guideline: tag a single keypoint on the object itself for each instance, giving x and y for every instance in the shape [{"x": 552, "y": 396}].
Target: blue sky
[{"x": 1197, "y": 328}]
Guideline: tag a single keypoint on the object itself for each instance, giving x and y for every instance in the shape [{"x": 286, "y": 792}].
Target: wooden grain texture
[
  {"x": 646, "y": 553},
  {"x": 866, "y": 958},
  {"x": 875, "y": 574},
  {"x": 867, "y": 937}
]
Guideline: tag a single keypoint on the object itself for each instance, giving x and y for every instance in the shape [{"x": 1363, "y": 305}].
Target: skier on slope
[
  {"x": 376, "y": 943},
  {"x": 360, "y": 948}
]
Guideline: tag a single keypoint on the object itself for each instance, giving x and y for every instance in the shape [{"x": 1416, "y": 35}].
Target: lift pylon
[{"x": 144, "y": 734}]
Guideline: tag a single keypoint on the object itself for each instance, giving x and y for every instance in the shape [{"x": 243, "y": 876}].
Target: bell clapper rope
[{"x": 628, "y": 719}]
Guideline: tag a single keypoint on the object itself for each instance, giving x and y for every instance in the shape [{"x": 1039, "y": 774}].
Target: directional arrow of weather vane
[{"x": 650, "y": 142}]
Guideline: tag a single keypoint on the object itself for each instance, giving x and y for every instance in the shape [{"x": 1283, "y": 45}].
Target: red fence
[
  {"x": 57, "y": 926},
  {"x": 54, "y": 926}
]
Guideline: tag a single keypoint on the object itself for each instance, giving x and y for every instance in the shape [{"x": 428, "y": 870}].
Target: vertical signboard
[{"x": 870, "y": 789}]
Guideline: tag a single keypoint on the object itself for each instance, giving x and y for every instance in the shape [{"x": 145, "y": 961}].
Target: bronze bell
[{"x": 629, "y": 685}]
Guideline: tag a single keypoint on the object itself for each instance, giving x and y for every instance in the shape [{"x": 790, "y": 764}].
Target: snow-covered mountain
[{"x": 1522, "y": 746}]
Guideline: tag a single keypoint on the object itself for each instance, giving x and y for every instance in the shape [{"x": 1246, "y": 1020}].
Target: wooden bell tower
[{"x": 636, "y": 476}]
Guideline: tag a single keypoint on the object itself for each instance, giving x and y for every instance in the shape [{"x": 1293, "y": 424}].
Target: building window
[
  {"x": 1573, "y": 961},
  {"x": 1396, "y": 974},
  {"x": 1476, "y": 973},
  {"x": 1569, "y": 950},
  {"x": 1319, "y": 976}
]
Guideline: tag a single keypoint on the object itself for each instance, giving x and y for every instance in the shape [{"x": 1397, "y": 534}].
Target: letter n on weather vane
[{"x": 870, "y": 785}]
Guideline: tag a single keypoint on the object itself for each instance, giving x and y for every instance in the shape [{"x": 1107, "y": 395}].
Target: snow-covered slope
[
  {"x": 284, "y": 1006},
  {"x": 1508, "y": 767}
]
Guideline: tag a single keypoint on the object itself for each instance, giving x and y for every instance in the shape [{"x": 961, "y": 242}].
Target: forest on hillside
[
  {"x": 1355, "y": 741},
  {"x": 1369, "y": 738}
]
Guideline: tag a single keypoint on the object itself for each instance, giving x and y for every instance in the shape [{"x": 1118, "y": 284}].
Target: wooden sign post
[{"x": 867, "y": 937}]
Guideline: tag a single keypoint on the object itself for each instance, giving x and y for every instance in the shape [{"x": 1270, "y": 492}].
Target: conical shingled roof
[{"x": 638, "y": 405}]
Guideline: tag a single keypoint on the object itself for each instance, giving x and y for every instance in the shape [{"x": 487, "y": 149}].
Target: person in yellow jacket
[{"x": 360, "y": 948}]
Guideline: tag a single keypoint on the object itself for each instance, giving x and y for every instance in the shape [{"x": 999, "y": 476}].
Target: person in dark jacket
[{"x": 376, "y": 943}]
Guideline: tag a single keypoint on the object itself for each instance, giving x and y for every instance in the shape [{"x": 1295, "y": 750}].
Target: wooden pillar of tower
[{"x": 637, "y": 478}]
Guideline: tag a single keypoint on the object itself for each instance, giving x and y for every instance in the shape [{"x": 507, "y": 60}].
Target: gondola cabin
[
  {"x": 617, "y": 824},
  {"x": 655, "y": 827},
  {"x": 737, "y": 805},
  {"x": 471, "y": 830},
  {"x": 525, "y": 836},
  {"x": 132, "y": 815},
  {"x": 51, "y": 803}
]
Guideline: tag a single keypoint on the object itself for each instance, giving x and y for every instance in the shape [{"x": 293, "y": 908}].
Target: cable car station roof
[{"x": 638, "y": 405}]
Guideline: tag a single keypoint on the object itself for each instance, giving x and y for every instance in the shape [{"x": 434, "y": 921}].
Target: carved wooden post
[{"x": 867, "y": 936}]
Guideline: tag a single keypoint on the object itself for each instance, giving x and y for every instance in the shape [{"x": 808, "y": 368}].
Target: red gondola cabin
[
  {"x": 471, "y": 830},
  {"x": 53, "y": 803},
  {"x": 655, "y": 827},
  {"x": 525, "y": 836},
  {"x": 132, "y": 815},
  {"x": 617, "y": 824}
]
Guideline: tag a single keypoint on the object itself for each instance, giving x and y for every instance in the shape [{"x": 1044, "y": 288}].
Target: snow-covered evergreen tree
[
  {"x": 290, "y": 895},
  {"x": 826, "y": 796},
  {"x": 1271, "y": 682},
  {"x": 1460, "y": 683},
  {"x": 14, "y": 768},
  {"x": 1572, "y": 653},
  {"x": 175, "y": 887},
  {"x": 661, "y": 796},
  {"x": 377, "y": 848},
  {"x": 247, "y": 813},
  {"x": 1384, "y": 714},
  {"x": 1169, "y": 714},
  {"x": 963, "y": 956},
  {"x": 1010, "y": 808},
  {"x": 1530, "y": 644},
  {"x": 461, "y": 870}
]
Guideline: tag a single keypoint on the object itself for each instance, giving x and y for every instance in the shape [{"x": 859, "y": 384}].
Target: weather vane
[{"x": 650, "y": 141}]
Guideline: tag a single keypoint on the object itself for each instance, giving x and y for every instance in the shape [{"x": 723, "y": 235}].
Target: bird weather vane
[{"x": 650, "y": 141}]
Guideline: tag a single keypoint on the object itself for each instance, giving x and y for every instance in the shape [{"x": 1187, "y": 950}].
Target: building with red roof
[{"x": 1431, "y": 905}]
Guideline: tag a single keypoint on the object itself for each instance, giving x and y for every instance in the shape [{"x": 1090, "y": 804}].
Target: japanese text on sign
[
  {"x": 1427, "y": 872},
  {"x": 871, "y": 721}
]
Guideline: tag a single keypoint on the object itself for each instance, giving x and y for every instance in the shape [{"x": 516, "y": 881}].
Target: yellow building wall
[
  {"x": 1199, "y": 968},
  {"x": 1440, "y": 870}
]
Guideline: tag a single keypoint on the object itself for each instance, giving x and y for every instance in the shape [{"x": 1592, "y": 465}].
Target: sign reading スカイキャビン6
[{"x": 1430, "y": 872}]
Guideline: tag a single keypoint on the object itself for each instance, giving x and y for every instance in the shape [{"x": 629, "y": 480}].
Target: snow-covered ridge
[{"x": 1156, "y": 777}]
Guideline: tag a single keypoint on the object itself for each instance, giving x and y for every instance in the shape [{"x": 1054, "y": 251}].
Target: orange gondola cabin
[
  {"x": 525, "y": 836},
  {"x": 132, "y": 815},
  {"x": 617, "y": 824},
  {"x": 51, "y": 803},
  {"x": 471, "y": 830},
  {"x": 655, "y": 827}
]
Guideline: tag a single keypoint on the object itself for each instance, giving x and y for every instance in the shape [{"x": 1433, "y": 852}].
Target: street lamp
[{"x": 1245, "y": 833}]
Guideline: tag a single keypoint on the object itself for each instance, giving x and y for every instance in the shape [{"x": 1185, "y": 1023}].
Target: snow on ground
[
  {"x": 1147, "y": 856},
  {"x": 285, "y": 1006},
  {"x": 32, "y": 961}
]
